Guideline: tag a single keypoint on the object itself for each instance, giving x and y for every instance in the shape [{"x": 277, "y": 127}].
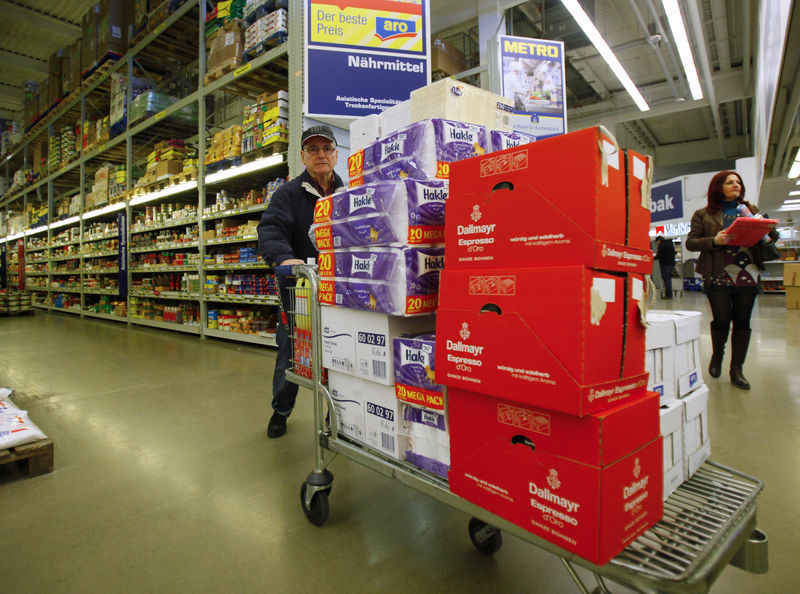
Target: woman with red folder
[{"x": 731, "y": 273}]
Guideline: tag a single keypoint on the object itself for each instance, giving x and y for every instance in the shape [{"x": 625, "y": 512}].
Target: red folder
[{"x": 748, "y": 231}]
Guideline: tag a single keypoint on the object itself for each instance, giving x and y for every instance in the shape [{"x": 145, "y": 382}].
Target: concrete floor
[{"x": 165, "y": 481}]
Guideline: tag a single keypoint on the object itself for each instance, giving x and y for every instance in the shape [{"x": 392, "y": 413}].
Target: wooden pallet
[
  {"x": 219, "y": 72},
  {"x": 35, "y": 458},
  {"x": 184, "y": 176},
  {"x": 265, "y": 151}
]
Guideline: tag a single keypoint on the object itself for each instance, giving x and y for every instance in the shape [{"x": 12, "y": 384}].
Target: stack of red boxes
[{"x": 541, "y": 344}]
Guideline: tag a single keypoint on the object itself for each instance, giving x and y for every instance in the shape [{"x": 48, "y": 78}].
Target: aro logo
[{"x": 387, "y": 29}]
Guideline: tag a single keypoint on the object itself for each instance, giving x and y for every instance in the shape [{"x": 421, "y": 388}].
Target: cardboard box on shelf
[
  {"x": 89, "y": 38},
  {"x": 112, "y": 34},
  {"x": 539, "y": 182},
  {"x": 360, "y": 343},
  {"x": 672, "y": 436},
  {"x": 446, "y": 58},
  {"x": 577, "y": 348},
  {"x": 590, "y": 485},
  {"x": 225, "y": 46},
  {"x": 696, "y": 441},
  {"x": 166, "y": 168}
]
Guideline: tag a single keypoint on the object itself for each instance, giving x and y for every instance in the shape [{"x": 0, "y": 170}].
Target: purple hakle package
[
  {"x": 422, "y": 150},
  {"x": 409, "y": 212},
  {"x": 426, "y": 439},
  {"x": 400, "y": 280}
]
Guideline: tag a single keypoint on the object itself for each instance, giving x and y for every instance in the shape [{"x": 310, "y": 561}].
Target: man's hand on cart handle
[{"x": 291, "y": 262}]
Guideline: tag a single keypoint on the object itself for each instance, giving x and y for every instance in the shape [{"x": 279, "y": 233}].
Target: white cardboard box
[
  {"x": 360, "y": 343},
  {"x": 451, "y": 99},
  {"x": 687, "y": 366},
  {"x": 660, "y": 364},
  {"x": 381, "y": 418},
  {"x": 681, "y": 330},
  {"x": 364, "y": 131},
  {"x": 348, "y": 404},
  {"x": 395, "y": 117},
  {"x": 672, "y": 438},
  {"x": 696, "y": 441}
]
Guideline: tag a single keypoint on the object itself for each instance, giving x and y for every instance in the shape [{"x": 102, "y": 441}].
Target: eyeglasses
[{"x": 315, "y": 150}]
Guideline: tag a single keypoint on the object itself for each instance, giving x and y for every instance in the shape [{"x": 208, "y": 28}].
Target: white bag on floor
[{"x": 17, "y": 429}]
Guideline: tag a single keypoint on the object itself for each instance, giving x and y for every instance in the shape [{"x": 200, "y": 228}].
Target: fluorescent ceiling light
[
  {"x": 789, "y": 208},
  {"x": 602, "y": 47},
  {"x": 243, "y": 169},
  {"x": 101, "y": 211},
  {"x": 168, "y": 191},
  {"x": 794, "y": 171},
  {"x": 791, "y": 201},
  {"x": 65, "y": 222},
  {"x": 795, "y": 193},
  {"x": 684, "y": 49}
]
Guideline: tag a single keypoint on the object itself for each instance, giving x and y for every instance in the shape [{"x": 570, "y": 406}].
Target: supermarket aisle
[{"x": 165, "y": 481}]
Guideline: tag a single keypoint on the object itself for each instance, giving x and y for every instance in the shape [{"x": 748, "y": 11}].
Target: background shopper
[
  {"x": 283, "y": 240},
  {"x": 665, "y": 254},
  {"x": 731, "y": 278}
]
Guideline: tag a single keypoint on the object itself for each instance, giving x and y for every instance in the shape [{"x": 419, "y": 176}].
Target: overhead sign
[
  {"x": 363, "y": 56},
  {"x": 533, "y": 77},
  {"x": 667, "y": 201}
]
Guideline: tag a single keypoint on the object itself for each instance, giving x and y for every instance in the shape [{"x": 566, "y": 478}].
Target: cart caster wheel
[
  {"x": 317, "y": 512},
  {"x": 487, "y": 539}
]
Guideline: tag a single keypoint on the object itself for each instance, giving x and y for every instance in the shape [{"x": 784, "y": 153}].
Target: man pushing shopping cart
[{"x": 283, "y": 241}]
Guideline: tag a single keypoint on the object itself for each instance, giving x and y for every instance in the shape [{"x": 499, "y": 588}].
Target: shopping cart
[{"x": 709, "y": 521}]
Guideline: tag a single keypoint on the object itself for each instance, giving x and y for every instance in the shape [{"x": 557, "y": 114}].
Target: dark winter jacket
[
  {"x": 665, "y": 254},
  {"x": 283, "y": 230},
  {"x": 711, "y": 262}
]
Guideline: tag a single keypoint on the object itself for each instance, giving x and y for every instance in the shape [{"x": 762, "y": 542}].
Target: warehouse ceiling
[{"x": 683, "y": 135}]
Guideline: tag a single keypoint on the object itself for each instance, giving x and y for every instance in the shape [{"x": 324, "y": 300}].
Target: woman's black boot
[
  {"x": 740, "y": 340},
  {"x": 718, "y": 340}
]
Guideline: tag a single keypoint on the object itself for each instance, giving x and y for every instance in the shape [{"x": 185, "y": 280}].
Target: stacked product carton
[
  {"x": 791, "y": 283},
  {"x": 541, "y": 341},
  {"x": 268, "y": 29},
  {"x": 266, "y": 121},
  {"x": 673, "y": 362},
  {"x": 226, "y": 144},
  {"x": 225, "y": 47}
]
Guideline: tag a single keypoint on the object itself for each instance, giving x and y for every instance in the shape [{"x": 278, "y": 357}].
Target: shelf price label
[
  {"x": 160, "y": 29},
  {"x": 242, "y": 70},
  {"x": 160, "y": 114}
]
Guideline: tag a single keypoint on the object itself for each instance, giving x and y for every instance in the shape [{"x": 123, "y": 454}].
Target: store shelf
[
  {"x": 235, "y": 211},
  {"x": 32, "y": 273},
  {"x": 260, "y": 165},
  {"x": 41, "y": 306},
  {"x": 163, "y": 269},
  {"x": 164, "y": 246},
  {"x": 166, "y": 325},
  {"x": 64, "y": 258},
  {"x": 167, "y": 225},
  {"x": 228, "y": 240},
  {"x": 100, "y": 270},
  {"x": 243, "y": 299},
  {"x": 242, "y": 337},
  {"x": 68, "y": 310},
  {"x": 237, "y": 266},
  {"x": 100, "y": 291},
  {"x": 64, "y": 290},
  {"x": 174, "y": 295},
  {"x": 101, "y": 236},
  {"x": 100, "y": 254},
  {"x": 104, "y": 316}
]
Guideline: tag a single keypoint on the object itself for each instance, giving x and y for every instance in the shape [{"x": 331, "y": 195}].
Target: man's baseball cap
[{"x": 323, "y": 131}]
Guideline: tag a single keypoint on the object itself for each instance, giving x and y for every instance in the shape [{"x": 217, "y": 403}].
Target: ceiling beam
[
  {"x": 11, "y": 93},
  {"x": 701, "y": 51},
  {"x": 22, "y": 62},
  {"x": 40, "y": 20},
  {"x": 728, "y": 87}
]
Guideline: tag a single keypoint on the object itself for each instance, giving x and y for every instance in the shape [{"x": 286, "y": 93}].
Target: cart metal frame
[{"x": 709, "y": 521}]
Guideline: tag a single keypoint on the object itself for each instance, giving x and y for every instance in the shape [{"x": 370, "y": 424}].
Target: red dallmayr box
[
  {"x": 590, "y": 485},
  {"x": 638, "y": 181},
  {"x": 565, "y": 338},
  {"x": 557, "y": 202}
]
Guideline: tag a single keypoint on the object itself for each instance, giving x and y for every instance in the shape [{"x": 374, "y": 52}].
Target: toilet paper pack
[
  {"x": 397, "y": 280},
  {"x": 422, "y": 150},
  {"x": 500, "y": 140},
  {"x": 409, "y": 212},
  {"x": 425, "y": 439},
  {"x": 415, "y": 373}
]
